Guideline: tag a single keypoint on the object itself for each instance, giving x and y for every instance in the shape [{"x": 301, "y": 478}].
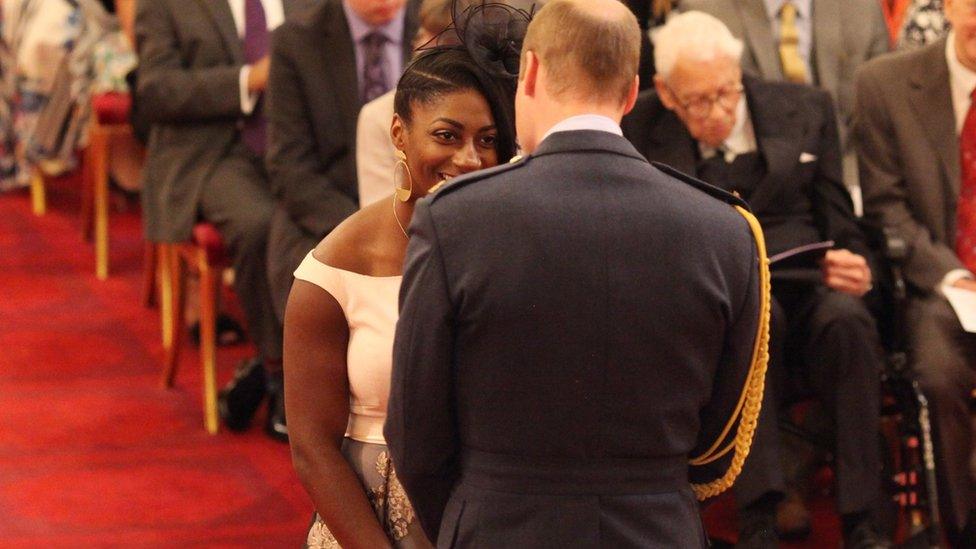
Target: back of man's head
[{"x": 589, "y": 49}]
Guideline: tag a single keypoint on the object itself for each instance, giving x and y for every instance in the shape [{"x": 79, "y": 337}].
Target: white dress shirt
[
  {"x": 274, "y": 14},
  {"x": 962, "y": 82},
  {"x": 596, "y": 122}
]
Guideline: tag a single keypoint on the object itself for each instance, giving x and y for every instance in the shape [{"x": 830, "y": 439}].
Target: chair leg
[
  {"x": 88, "y": 191},
  {"x": 177, "y": 277},
  {"x": 167, "y": 307},
  {"x": 209, "y": 287},
  {"x": 149, "y": 261},
  {"x": 37, "y": 192},
  {"x": 99, "y": 173}
]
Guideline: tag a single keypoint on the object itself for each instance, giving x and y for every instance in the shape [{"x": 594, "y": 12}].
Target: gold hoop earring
[{"x": 403, "y": 194}]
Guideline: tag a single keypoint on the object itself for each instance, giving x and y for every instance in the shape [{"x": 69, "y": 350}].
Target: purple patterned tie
[
  {"x": 374, "y": 73},
  {"x": 255, "y": 48}
]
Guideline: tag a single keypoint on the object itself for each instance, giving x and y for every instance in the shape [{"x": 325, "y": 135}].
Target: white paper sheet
[{"x": 964, "y": 303}]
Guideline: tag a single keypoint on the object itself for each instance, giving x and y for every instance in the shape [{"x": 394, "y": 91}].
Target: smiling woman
[{"x": 454, "y": 115}]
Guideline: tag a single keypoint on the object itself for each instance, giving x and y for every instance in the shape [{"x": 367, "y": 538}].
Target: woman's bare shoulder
[{"x": 350, "y": 245}]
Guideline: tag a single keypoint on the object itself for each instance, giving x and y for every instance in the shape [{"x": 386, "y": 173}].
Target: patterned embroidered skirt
[{"x": 375, "y": 470}]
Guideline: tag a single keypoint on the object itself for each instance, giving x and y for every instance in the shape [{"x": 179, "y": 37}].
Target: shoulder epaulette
[
  {"x": 707, "y": 188},
  {"x": 462, "y": 181}
]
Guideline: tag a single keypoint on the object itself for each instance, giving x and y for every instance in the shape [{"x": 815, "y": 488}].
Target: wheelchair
[
  {"x": 905, "y": 410},
  {"x": 912, "y": 516}
]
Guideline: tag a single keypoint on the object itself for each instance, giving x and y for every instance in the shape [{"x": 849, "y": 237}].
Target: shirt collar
[
  {"x": 803, "y": 8},
  {"x": 358, "y": 28},
  {"x": 596, "y": 122},
  {"x": 961, "y": 78}
]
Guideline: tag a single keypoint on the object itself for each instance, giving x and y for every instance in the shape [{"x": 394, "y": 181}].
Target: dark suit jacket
[
  {"x": 572, "y": 327},
  {"x": 313, "y": 102},
  {"x": 190, "y": 58},
  {"x": 905, "y": 134},
  {"x": 797, "y": 202}
]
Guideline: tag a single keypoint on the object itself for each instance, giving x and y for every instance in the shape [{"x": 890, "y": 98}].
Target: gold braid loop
[{"x": 750, "y": 401}]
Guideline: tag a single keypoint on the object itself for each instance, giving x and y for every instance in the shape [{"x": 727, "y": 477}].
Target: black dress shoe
[
  {"x": 238, "y": 401},
  {"x": 275, "y": 426},
  {"x": 757, "y": 524},
  {"x": 865, "y": 536}
]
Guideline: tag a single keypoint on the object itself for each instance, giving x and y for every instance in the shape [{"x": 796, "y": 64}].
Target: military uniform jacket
[{"x": 573, "y": 327}]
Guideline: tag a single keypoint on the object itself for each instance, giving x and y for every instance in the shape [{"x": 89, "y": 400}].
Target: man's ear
[
  {"x": 398, "y": 132},
  {"x": 664, "y": 93},
  {"x": 531, "y": 73},
  {"x": 632, "y": 95}
]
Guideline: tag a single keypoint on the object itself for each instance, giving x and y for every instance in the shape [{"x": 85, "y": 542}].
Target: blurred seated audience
[
  {"x": 776, "y": 145},
  {"x": 452, "y": 117},
  {"x": 374, "y": 150},
  {"x": 915, "y": 131},
  {"x": 326, "y": 64},
  {"x": 46, "y": 65},
  {"x": 202, "y": 75},
  {"x": 819, "y": 42}
]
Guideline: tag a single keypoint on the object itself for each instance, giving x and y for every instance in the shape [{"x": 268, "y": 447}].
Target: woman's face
[{"x": 451, "y": 135}]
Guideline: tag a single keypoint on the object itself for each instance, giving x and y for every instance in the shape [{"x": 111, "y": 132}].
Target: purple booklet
[
  {"x": 805, "y": 255},
  {"x": 799, "y": 265}
]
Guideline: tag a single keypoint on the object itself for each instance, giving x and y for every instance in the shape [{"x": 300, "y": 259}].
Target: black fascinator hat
[
  {"x": 480, "y": 50},
  {"x": 492, "y": 32}
]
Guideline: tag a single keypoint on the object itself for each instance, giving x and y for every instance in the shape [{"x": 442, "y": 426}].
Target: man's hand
[
  {"x": 846, "y": 272},
  {"x": 257, "y": 79},
  {"x": 965, "y": 284}
]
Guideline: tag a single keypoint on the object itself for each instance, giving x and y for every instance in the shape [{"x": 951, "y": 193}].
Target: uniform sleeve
[
  {"x": 730, "y": 376},
  {"x": 421, "y": 430}
]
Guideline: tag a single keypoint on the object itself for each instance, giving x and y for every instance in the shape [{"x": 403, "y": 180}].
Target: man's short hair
[
  {"x": 585, "y": 56},
  {"x": 695, "y": 35}
]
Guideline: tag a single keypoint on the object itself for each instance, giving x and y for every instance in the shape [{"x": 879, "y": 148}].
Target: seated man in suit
[
  {"x": 915, "y": 131},
  {"x": 203, "y": 68},
  {"x": 325, "y": 66},
  {"x": 819, "y": 42},
  {"x": 563, "y": 358},
  {"x": 775, "y": 144}
]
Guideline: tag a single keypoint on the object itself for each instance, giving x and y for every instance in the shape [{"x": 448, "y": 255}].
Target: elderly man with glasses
[{"x": 777, "y": 146}]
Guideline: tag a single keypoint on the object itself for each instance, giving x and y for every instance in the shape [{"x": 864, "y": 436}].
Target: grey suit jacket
[
  {"x": 190, "y": 57},
  {"x": 905, "y": 134},
  {"x": 572, "y": 328},
  {"x": 846, "y": 33}
]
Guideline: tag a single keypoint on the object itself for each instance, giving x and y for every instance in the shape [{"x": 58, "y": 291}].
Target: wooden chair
[
  {"x": 205, "y": 255},
  {"x": 109, "y": 124}
]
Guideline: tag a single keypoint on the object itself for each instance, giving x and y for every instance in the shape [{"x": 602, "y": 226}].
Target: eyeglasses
[{"x": 701, "y": 106}]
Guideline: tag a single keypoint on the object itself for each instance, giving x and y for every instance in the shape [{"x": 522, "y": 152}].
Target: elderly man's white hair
[{"x": 695, "y": 35}]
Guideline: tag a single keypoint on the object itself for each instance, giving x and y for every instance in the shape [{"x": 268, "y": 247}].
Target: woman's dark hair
[
  {"x": 444, "y": 70},
  {"x": 479, "y": 51}
]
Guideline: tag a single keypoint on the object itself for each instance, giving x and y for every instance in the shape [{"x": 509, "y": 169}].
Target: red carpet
[{"x": 93, "y": 452}]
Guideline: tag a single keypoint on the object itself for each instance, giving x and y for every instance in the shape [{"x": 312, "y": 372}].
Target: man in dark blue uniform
[{"x": 575, "y": 327}]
